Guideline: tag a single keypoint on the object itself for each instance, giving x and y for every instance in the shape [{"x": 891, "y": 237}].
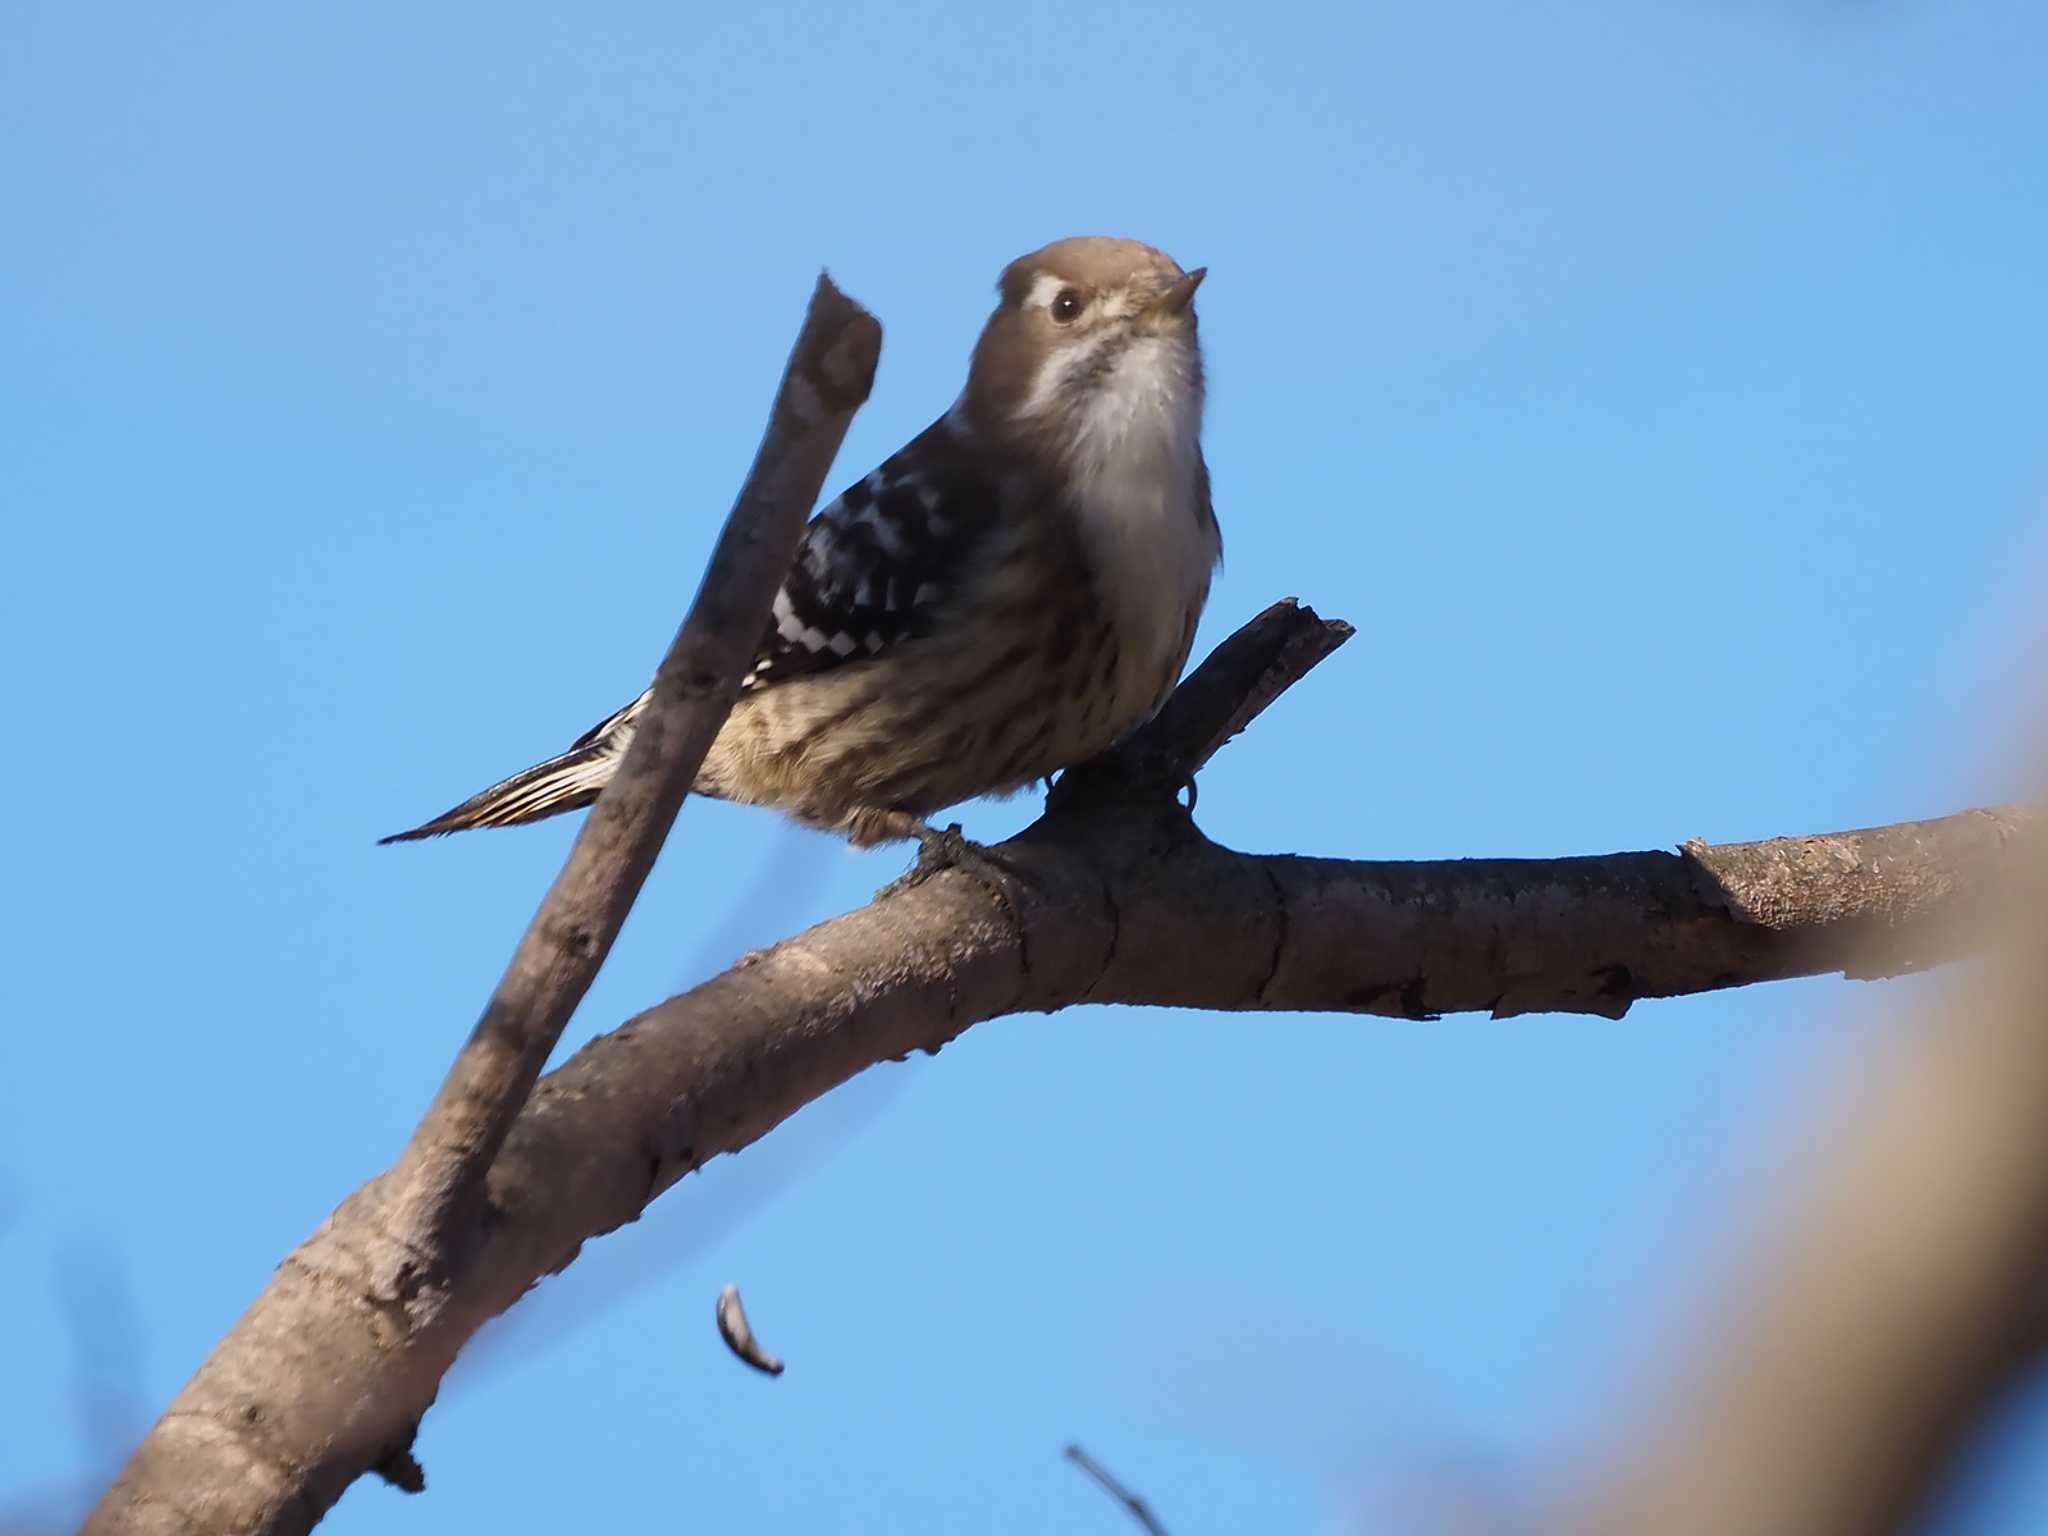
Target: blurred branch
[
  {"x": 1902, "y": 1298},
  {"x": 1140, "y": 1510}
]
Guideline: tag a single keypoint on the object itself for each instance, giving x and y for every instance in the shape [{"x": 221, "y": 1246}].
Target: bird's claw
[{"x": 942, "y": 848}]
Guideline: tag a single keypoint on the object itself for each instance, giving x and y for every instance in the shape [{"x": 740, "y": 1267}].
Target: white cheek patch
[{"x": 1060, "y": 365}]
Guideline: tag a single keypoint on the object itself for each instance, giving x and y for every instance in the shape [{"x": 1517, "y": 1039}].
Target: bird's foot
[{"x": 940, "y": 849}]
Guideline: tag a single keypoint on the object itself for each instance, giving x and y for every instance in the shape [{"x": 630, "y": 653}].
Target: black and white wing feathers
[
  {"x": 877, "y": 562},
  {"x": 873, "y": 568}
]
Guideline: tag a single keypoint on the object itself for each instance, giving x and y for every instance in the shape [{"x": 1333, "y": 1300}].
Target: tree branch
[
  {"x": 434, "y": 1187},
  {"x": 1216, "y": 701},
  {"x": 1899, "y": 1298},
  {"x": 246, "y": 1446},
  {"x": 1137, "y": 1508},
  {"x": 1119, "y": 898}
]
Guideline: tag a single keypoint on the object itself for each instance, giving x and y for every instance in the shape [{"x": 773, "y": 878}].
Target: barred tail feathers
[{"x": 566, "y": 782}]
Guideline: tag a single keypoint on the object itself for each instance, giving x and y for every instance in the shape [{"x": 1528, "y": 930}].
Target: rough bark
[{"x": 1114, "y": 896}]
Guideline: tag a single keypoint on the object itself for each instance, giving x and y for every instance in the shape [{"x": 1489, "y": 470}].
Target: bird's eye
[{"x": 1067, "y": 305}]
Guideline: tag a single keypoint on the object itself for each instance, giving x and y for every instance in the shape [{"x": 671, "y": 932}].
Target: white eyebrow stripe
[{"x": 1044, "y": 289}]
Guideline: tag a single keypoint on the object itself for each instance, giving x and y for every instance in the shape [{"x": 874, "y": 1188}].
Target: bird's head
[{"x": 1094, "y": 341}]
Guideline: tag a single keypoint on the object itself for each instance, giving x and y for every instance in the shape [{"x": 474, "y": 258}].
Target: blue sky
[{"x": 1658, "y": 388}]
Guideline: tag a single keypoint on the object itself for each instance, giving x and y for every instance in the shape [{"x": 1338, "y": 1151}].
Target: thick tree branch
[
  {"x": 1123, "y": 900},
  {"x": 1120, "y": 899}
]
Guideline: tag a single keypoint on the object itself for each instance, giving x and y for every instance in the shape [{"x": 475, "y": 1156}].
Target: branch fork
[{"x": 510, "y": 1173}]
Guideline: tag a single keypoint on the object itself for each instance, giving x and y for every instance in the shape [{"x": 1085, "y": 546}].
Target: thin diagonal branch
[
  {"x": 1140, "y": 1511},
  {"x": 1234, "y": 684},
  {"x": 441, "y": 1171},
  {"x": 270, "y": 1431},
  {"x": 1229, "y": 690},
  {"x": 1240, "y": 679}
]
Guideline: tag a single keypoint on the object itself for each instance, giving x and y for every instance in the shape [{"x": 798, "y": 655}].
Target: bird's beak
[{"x": 1177, "y": 298}]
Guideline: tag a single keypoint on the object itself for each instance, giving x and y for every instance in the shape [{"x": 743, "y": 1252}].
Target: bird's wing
[
  {"x": 877, "y": 562},
  {"x": 872, "y": 569}
]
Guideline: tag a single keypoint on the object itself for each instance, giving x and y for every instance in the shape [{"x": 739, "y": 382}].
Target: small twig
[
  {"x": 738, "y": 1334},
  {"x": 440, "y": 1175},
  {"x": 1230, "y": 689},
  {"x": 1238, "y": 680},
  {"x": 1140, "y": 1510}
]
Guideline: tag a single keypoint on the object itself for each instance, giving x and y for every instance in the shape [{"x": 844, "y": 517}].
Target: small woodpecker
[{"x": 1010, "y": 593}]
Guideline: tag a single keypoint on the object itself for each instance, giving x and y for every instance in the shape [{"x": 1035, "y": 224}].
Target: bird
[{"x": 1010, "y": 593}]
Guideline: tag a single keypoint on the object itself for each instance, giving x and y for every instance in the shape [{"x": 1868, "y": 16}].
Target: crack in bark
[
  {"x": 1020, "y": 932},
  {"x": 1280, "y": 927},
  {"x": 1116, "y": 931}
]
